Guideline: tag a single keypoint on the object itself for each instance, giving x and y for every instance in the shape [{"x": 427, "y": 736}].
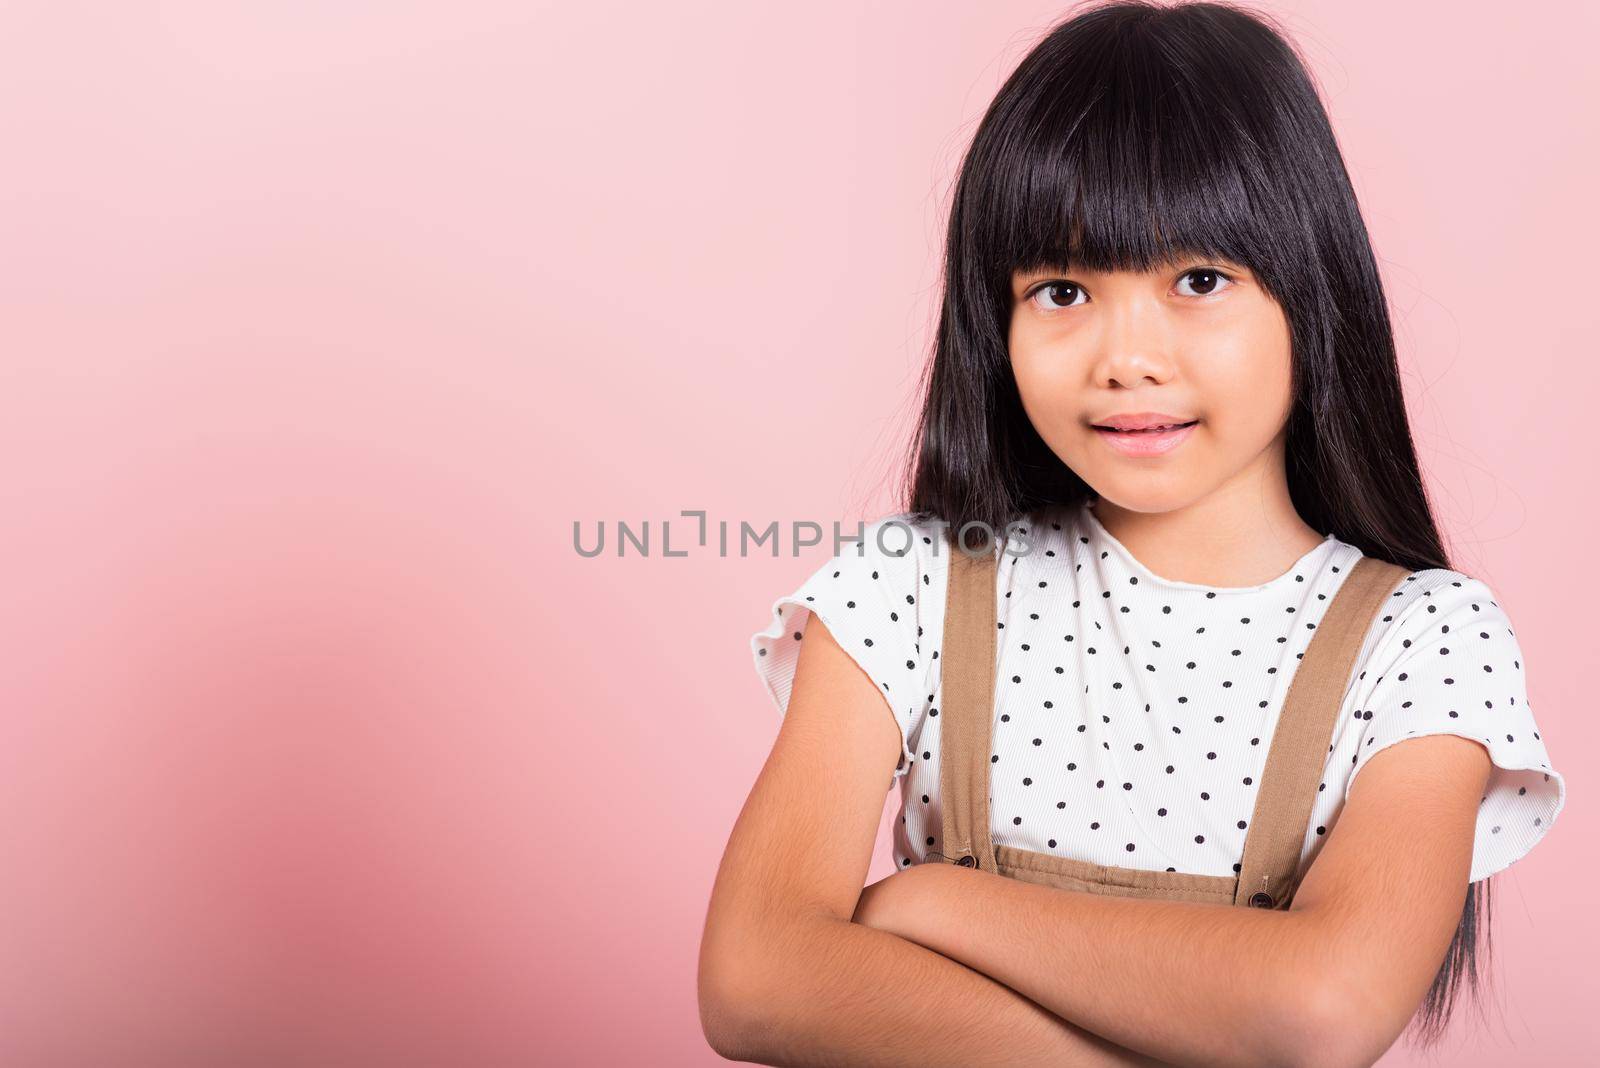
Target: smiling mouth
[
  {"x": 1148, "y": 430},
  {"x": 1147, "y": 442}
]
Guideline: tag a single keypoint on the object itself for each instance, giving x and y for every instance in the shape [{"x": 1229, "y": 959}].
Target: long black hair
[{"x": 1133, "y": 134}]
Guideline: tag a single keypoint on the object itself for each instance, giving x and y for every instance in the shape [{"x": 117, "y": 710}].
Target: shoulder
[
  {"x": 882, "y": 591},
  {"x": 1444, "y": 658},
  {"x": 1444, "y": 631},
  {"x": 878, "y": 592},
  {"x": 899, "y": 557},
  {"x": 1439, "y": 590},
  {"x": 875, "y": 590},
  {"x": 1434, "y": 603}
]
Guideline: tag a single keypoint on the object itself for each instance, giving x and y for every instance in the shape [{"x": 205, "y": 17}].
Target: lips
[
  {"x": 1148, "y": 429},
  {"x": 1146, "y": 441},
  {"x": 1142, "y": 421}
]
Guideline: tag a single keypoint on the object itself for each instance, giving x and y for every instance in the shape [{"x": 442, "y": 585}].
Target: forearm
[
  {"x": 834, "y": 992},
  {"x": 1191, "y": 984}
]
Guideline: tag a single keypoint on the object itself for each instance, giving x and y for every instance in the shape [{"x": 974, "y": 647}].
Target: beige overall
[{"x": 1295, "y": 761}]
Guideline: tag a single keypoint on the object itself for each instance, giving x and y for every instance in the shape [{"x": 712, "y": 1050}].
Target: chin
[
  {"x": 1148, "y": 492},
  {"x": 1152, "y": 485}
]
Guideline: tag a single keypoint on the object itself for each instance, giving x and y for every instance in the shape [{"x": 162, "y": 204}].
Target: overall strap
[
  {"x": 1303, "y": 736},
  {"x": 967, "y": 673}
]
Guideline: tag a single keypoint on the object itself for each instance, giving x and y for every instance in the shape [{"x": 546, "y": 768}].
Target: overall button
[
  {"x": 1262, "y": 900},
  {"x": 968, "y": 862}
]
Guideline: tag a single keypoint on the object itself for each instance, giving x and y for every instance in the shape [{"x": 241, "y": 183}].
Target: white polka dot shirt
[{"x": 1133, "y": 714}]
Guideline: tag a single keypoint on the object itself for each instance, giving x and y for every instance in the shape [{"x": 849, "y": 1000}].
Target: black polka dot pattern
[
  {"x": 873, "y": 597},
  {"x": 1134, "y": 714}
]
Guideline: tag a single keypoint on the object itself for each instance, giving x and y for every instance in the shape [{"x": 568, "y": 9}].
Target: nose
[{"x": 1133, "y": 350}]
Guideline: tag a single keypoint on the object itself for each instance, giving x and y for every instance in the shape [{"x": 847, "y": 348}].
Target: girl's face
[{"x": 1197, "y": 340}]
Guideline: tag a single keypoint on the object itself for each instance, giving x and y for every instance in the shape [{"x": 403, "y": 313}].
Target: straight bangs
[{"x": 1136, "y": 155}]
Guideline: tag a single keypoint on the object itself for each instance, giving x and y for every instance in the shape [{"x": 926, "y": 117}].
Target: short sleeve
[
  {"x": 1460, "y": 670},
  {"x": 870, "y": 596}
]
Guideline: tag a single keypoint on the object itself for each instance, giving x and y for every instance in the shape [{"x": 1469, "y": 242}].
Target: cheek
[
  {"x": 1045, "y": 379},
  {"x": 1042, "y": 382},
  {"x": 1247, "y": 386},
  {"x": 1254, "y": 393}
]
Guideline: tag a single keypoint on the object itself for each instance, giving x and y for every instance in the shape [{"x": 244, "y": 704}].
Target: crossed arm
[
  {"x": 938, "y": 965},
  {"x": 1332, "y": 981}
]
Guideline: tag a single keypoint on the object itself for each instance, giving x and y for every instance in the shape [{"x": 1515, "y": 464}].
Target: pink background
[{"x": 323, "y": 323}]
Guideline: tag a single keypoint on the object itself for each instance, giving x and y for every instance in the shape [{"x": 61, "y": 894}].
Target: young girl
[{"x": 1165, "y": 378}]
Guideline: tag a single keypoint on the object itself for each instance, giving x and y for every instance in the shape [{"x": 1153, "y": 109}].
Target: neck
[{"x": 1244, "y": 533}]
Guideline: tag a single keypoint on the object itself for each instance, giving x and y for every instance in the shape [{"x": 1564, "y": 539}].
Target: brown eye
[
  {"x": 1207, "y": 280},
  {"x": 1053, "y": 296}
]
